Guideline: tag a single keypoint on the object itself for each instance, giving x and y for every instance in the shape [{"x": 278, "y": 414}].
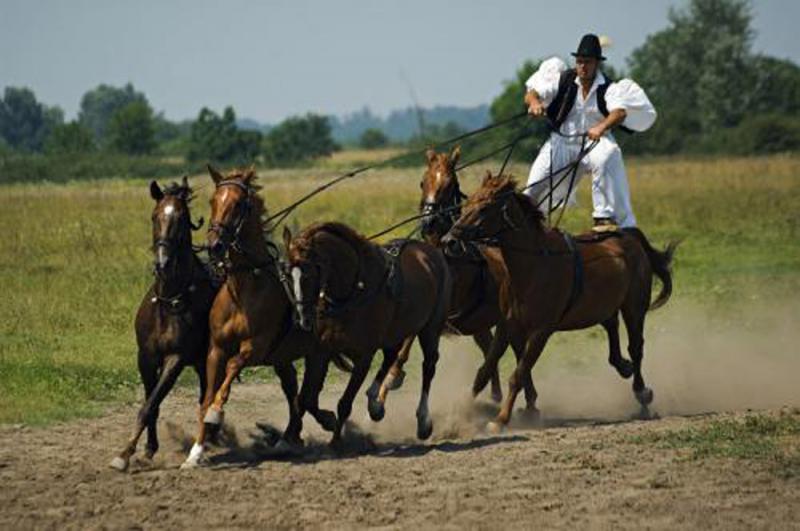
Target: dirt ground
[{"x": 577, "y": 467}]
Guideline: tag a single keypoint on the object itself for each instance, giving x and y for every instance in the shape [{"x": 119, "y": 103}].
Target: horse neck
[
  {"x": 521, "y": 248},
  {"x": 254, "y": 243},
  {"x": 172, "y": 286},
  {"x": 346, "y": 263}
]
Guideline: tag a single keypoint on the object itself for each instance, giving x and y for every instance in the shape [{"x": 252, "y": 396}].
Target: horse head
[
  {"x": 172, "y": 226},
  {"x": 441, "y": 194}
]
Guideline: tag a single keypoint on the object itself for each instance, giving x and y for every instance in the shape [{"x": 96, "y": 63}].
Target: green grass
[
  {"x": 75, "y": 259},
  {"x": 756, "y": 437}
]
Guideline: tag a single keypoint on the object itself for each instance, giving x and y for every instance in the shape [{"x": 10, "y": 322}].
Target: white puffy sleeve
[
  {"x": 545, "y": 80},
  {"x": 625, "y": 94}
]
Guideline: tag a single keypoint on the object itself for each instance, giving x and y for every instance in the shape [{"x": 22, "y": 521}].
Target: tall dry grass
[{"x": 75, "y": 259}]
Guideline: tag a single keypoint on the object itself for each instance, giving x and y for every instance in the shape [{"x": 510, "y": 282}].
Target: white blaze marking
[
  {"x": 298, "y": 290},
  {"x": 168, "y": 210}
]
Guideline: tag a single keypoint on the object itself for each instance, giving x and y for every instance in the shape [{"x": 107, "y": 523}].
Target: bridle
[
  {"x": 444, "y": 211},
  {"x": 229, "y": 233},
  {"x": 182, "y": 243}
]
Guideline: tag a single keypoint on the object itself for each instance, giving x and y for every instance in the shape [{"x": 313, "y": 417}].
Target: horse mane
[
  {"x": 355, "y": 239},
  {"x": 181, "y": 191},
  {"x": 496, "y": 186}
]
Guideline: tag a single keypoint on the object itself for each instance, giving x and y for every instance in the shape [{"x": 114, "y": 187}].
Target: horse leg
[
  {"x": 485, "y": 342},
  {"x": 394, "y": 380},
  {"x": 488, "y": 371},
  {"x": 214, "y": 376},
  {"x": 623, "y": 366},
  {"x": 528, "y": 388},
  {"x": 375, "y": 406},
  {"x": 149, "y": 374},
  {"x": 171, "y": 369},
  {"x": 316, "y": 369},
  {"x": 634, "y": 323},
  {"x": 345, "y": 405},
  {"x": 429, "y": 341},
  {"x": 288, "y": 376},
  {"x": 533, "y": 349}
]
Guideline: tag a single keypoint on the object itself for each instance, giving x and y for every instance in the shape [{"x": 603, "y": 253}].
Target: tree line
[{"x": 712, "y": 92}]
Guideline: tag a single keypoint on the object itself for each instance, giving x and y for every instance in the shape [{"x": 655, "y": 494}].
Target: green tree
[
  {"x": 216, "y": 138},
  {"x": 299, "y": 139},
  {"x": 72, "y": 137},
  {"x": 131, "y": 129},
  {"x": 25, "y": 123},
  {"x": 697, "y": 72},
  {"x": 373, "y": 138},
  {"x": 100, "y": 104}
]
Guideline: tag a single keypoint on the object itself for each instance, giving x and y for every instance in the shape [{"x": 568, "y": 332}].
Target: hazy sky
[{"x": 272, "y": 59}]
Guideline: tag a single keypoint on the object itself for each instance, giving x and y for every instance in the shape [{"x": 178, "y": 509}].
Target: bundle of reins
[
  {"x": 277, "y": 218},
  {"x": 569, "y": 171}
]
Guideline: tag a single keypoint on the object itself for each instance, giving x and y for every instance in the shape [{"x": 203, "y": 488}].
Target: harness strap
[{"x": 577, "y": 278}]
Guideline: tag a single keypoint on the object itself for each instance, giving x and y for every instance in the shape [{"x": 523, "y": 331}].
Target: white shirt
[{"x": 585, "y": 113}]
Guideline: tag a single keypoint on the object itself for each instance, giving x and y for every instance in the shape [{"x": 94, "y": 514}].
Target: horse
[
  {"x": 251, "y": 317},
  {"x": 172, "y": 321},
  {"x": 358, "y": 297},
  {"x": 558, "y": 284},
  {"x": 477, "y": 271}
]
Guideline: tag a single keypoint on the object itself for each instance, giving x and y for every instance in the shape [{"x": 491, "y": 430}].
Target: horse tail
[
  {"x": 342, "y": 363},
  {"x": 660, "y": 261}
]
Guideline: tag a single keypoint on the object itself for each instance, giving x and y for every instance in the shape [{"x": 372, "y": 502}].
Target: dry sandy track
[
  {"x": 565, "y": 474},
  {"x": 580, "y": 469}
]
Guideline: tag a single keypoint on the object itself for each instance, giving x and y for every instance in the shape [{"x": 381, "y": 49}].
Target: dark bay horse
[
  {"x": 478, "y": 271},
  {"x": 555, "y": 289},
  {"x": 359, "y": 297},
  {"x": 251, "y": 317},
  {"x": 172, "y": 321}
]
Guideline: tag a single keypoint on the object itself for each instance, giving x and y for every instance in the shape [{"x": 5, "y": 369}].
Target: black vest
[{"x": 562, "y": 104}]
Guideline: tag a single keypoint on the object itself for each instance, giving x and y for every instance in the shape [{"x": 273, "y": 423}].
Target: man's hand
[
  {"x": 536, "y": 109},
  {"x": 596, "y": 132}
]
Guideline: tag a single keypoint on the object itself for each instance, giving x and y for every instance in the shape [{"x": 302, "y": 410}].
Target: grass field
[{"x": 75, "y": 259}]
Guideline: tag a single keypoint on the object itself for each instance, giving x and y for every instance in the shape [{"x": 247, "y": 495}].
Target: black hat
[{"x": 590, "y": 47}]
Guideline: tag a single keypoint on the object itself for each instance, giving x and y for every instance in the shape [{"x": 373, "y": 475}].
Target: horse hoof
[
  {"x": 376, "y": 410},
  {"x": 424, "y": 428},
  {"x": 118, "y": 463},
  {"x": 213, "y": 417},
  {"x": 494, "y": 428},
  {"x": 645, "y": 396},
  {"x": 624, "y": 368},
  {"x": 195, "y": 459},
  {"x": 395, "y": 382}
]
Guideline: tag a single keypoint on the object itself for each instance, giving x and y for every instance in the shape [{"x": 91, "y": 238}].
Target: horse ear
[
  {"x": 487, "y": 178},
  {"x": 249, "y": 174},
  {"x": 155, "y": 191},
  {"x": 455, "y": 154},
  {"x": 215, "y": 175},
  {"x": 287, "y": 237},
  {"x": 430, "y": 155},
  {"x": 185, "y": 181}
]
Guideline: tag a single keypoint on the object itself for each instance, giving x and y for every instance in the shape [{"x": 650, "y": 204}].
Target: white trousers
[{"x": 610, "y": 195}]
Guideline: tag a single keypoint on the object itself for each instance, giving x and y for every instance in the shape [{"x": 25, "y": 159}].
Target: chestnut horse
[
  {"x": 251, "y": 317},
  {"x": 477, "y": 271},
  {"x": 172, "y": 321},
  {"x": 359, "y": 298},
  {"x": 560, "y": 285}
]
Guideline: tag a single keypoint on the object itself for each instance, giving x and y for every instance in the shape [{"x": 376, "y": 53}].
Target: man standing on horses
[{"x": 582, "y": 106}]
